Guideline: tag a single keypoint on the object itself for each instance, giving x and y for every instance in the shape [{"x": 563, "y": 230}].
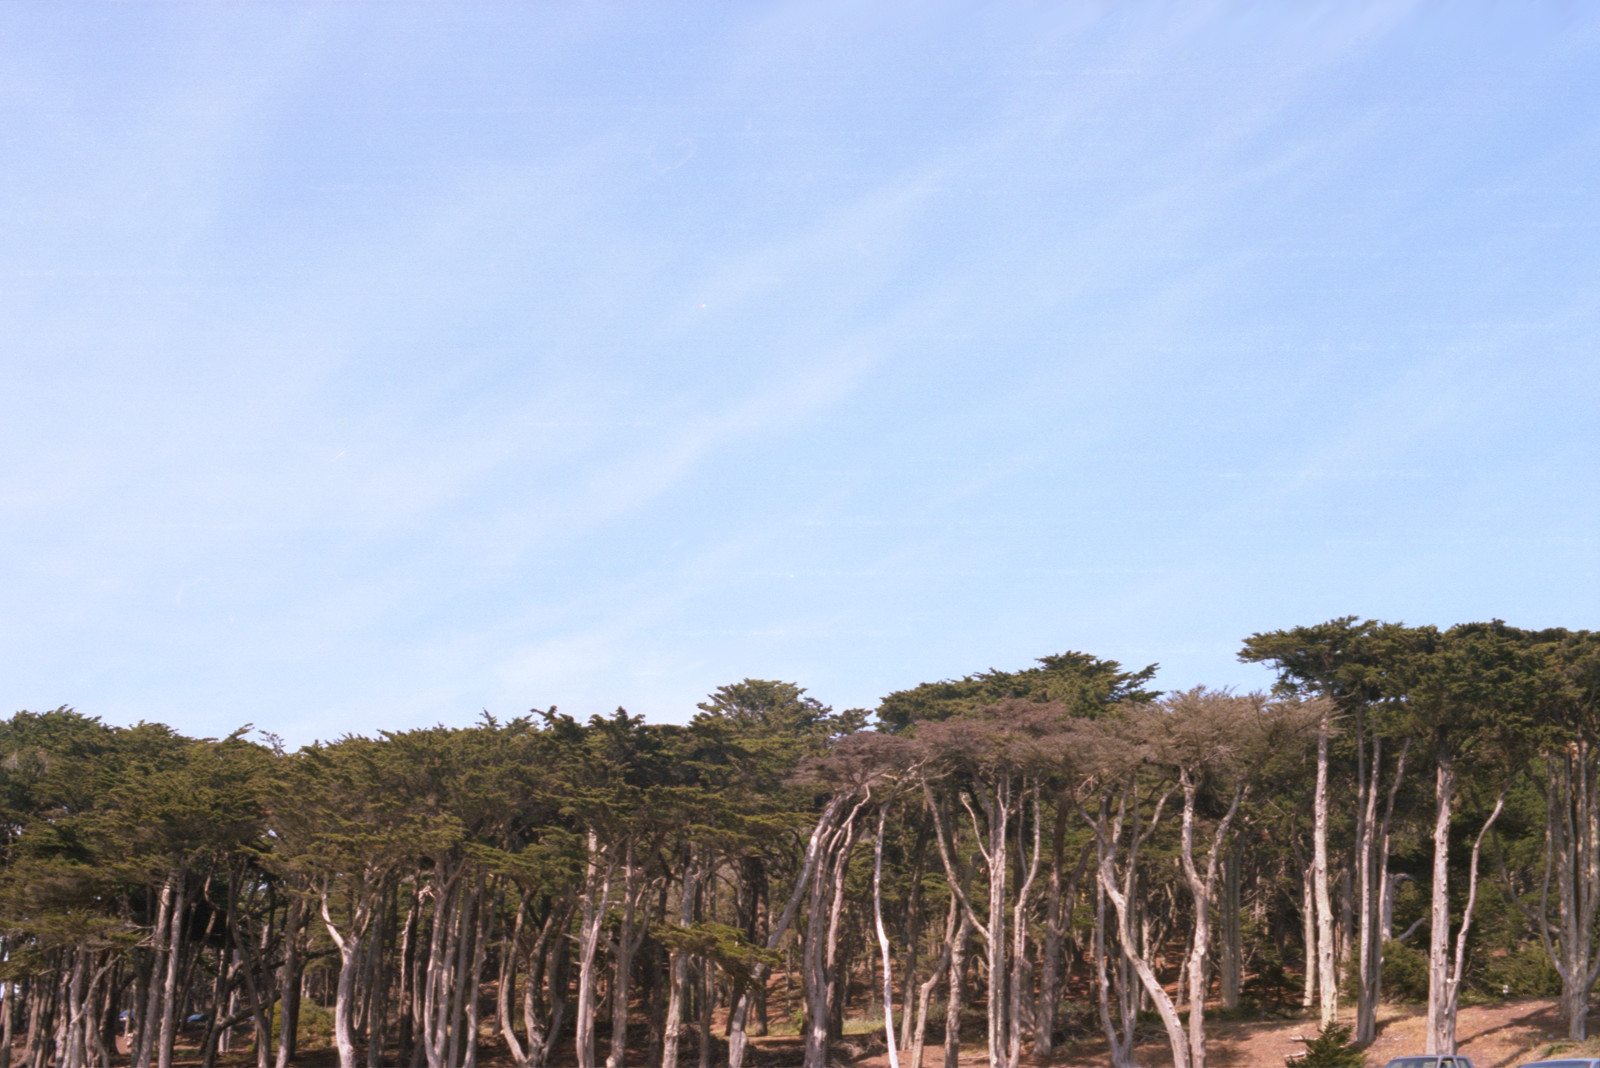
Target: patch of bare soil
[{"x": 1501, "y": 1035}]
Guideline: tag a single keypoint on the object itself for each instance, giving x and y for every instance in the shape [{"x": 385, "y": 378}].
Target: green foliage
[
  {"x": 1331, "y": 1048},
  {"x": 1082, "y": 684},
  {"x": 728, "y": 947},
  {"x": 1405, "y": 973},
  {"x": 1525, "y": 972}
]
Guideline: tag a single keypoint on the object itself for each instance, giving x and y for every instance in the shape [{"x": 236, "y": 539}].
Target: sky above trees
[{"x": 365, "y": 366}]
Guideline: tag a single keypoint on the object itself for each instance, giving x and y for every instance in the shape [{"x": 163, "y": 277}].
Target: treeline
[{"x": 1017, "y": 857}]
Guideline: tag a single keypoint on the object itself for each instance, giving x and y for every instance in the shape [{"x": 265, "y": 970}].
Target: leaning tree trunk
[
  {"x": 738, "y": 1038},
  {"x": 919, "y": 1034},
  {"x": 595, "y": 901}
]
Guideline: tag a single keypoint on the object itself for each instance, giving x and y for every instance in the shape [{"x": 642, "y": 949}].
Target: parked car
[
  {"x": 1566, "y": 1062},
  {"x": 1430, "y": 1062}
]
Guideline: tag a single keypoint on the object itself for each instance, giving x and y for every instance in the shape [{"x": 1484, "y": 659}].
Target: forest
[{"x": 987, "y": 868}]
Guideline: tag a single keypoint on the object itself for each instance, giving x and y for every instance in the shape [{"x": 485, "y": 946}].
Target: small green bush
[
  {"x": 1405, "y": 973},
  {"x": 1330, "y": 1049},
  {"x": 1525, "y": 972}
]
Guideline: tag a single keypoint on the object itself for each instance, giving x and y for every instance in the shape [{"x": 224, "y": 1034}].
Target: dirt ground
[{"x": 1502, "y": 1035}]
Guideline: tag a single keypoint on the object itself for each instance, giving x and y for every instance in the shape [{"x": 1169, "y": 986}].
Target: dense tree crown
[{"x": 993, "y": 865}]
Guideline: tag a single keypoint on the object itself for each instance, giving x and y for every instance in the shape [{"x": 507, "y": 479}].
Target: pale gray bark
[
  {"x": 153, "y": 987},
  {"x": 738, "y": 1039},
  {"x": 1440, "y": 1035},
  {"x": 169, "y": 984},
  {"x": 939, "y": 973},
  {"x": 957, "y": 992},
  {"x": 1202, "y": 891},
  {"x": 505, "y": 987},
  {"x": 594, "y": 902},
  {"x": 678, "y": 968},
  {"x": 289, "y": 982},
  {"x": 1572, "y": 856},
  {"x": 349, "y": 942},
  {"x": 1327, "y": 974},
  {"x": 883, "y": 938},
  {"x": 1019, "y": 937},
  {"x": 1109, "y": 831},
  {"x": 1443, "y": 1033}
]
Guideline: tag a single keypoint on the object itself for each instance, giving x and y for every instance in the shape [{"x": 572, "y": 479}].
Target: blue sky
[{"x": 365, "y": 366}]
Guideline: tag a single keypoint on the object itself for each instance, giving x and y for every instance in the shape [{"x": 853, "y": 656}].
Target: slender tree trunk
[
  {"x": 505, "y": 987},
  {"x": 1308, "y": 917},
  {"x": 7, "y": 994},
  {"x": 158, "y": 950},
  {"x": 912, "y": 932},
  {"x": 1327, "y": 975},
  {"x": 1019, "y": 939},
  {"x": 628, "y": 941},
  {"x": 956, "y": 999},
  {"x": 1230, "y": 957},
  {"x": 349, "y": 944},
  {"x": 462, "y": 936},
  {"x": 289, "y": 984},
  {"x": 169, "y": 986},
  {"x": 883, "y": 938},
  {"x": 737, "y": 1038},
  {"x": 594, "y": 903},
  {"x": 1458, "y": 962},
  {"x": 1440, "y": 1036},
  {"x": 1110, "y": 832},
  {"x": 1050, "y": 958},
  {"x": 939, "y": 972},
  {"x": 678, "y": 967},
  {"x": 1119, "y": 1041}
]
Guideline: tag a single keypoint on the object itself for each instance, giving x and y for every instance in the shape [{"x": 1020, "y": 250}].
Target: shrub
[
  {"x": 1525, "y": 972},
  {"x": 1331, "y": 1048},
  {"x": 1405, "y": 973}
]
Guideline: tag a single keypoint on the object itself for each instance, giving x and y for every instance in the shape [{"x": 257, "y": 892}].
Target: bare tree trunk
[
  {"x": 1572, "y": 854},
  {"x": 883, "y": 937},
  {"x": 465, "y": 924},
  {"x": 957, "y": 991},
  {"x": 1308, "y": 916},
  {"x": 738, "y": 1040},
  {"x": 1457, "y": 964},
  {"x": 443, "y": 935},
  {"x": 912, "y": 933},
  {"x": 289, "y": 984},
  {"x": 678, "y": 967},
  {"x": 595, "y": 901},
  {"x": 1202, "y": 890},
  {"x": 158, "y": 950},
  {"x": 1440, "y": 1037},
  {"x": 1230, "y": 957},
  {"x": 1019, "y": 938},
  {"x": 7, "y": 992},
  {"x": 474, "y": 985},
  {"x": 919, "y": 1035},
  {"x": 349, "y": 943},
  {"x": 505, "y": 987},
  {"x": 1327, "y": 975},
  {"x": 1110, "y": 832},
  {"x": 169, "y": 986},
  {"x": 1120, "y": 1041},
  {"x": 629, "y": 936}
]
